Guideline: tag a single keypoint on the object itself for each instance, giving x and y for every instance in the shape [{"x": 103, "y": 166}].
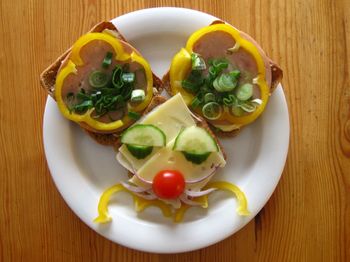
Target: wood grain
[{"x": 306, "y": 219}]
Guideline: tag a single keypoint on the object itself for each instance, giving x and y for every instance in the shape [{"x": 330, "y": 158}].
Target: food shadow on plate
[{"x": 96, "y": 162}]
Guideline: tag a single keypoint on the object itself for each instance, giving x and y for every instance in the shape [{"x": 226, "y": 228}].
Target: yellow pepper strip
[
  {"x": 242, "y": 208},
  {"x": 180, "y": 212},
  {"x": 181, "y": 65},
  {"x": 103, "y": 216},
  {"x": 75, "y": 60},
  {"x": 149, "y": 77},
  {"x": 141, "y": 204},
  {"x": 87, "y": 38}
]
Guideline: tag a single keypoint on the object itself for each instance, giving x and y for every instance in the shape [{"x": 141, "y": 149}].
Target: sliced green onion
[
  {"x": 209, "y": 97},
  {"x": 235, "y": 74},
  {"x": 237, "y": 111},
  {"x": 230, "y": 100},
  {"x": 137, "y": 95},
  {"x": 220, "y": 63},
  {"x": 257, "y": 101},
  {"x": 82, "y": 107},
  {"x": 195, "y": 102},
  {"x": 126, "y": 92},
  {"x": 189, "y": 86},
  {"x": 107, "y": 61},
  {"x": 244, "y": 92},
  {"x": 116, "y": 77},
  {"x": 128, "y": 77},
  {"x": 211, "y": 110},
  {"x": 134, "y": 115},
  {"x": 98, "y": 79},
  {"x": 224, "y": 83},
  {"x": 248, "y": 107},
  {"x": 198, "y": 62}
]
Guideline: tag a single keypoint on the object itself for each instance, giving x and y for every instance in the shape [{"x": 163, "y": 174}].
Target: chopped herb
[
  {"x": 107, "y": 61},
  {"x": 198, "y": 62},
  {"x": 134, "y": 115}
]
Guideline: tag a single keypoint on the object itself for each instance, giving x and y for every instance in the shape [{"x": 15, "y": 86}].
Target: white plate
[{"x": 82, "y": 170}]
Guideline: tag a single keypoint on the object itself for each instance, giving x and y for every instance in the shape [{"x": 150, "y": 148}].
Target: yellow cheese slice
[
  {"x": 168, "y": 159},
  {"x": 170, "y": 117}
]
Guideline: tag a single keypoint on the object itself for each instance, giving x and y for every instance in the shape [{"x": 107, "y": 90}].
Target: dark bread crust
[
  {"x": 276, "y": 77},
  {"x": 48, "y": 79}
]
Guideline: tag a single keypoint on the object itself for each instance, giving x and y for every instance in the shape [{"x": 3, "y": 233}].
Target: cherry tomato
[{"x": 168, "y": 184}]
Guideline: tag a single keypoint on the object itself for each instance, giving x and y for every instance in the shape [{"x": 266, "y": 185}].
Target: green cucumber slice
[
  {"x": 196, "y": 158},
  {"x": 139, "y": 152},
  {"x": 195, "y": 140},
  {"x": 144, "y": 135}
]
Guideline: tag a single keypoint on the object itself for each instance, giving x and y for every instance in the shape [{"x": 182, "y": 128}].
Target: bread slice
[
  {"x": 48, "y": 79},
  {"x": 276, "y": 77}
]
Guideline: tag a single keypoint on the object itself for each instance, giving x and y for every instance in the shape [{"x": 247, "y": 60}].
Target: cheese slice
[
  {"x": 168, "y": 159},
  {"x": 170, "y": 117}
]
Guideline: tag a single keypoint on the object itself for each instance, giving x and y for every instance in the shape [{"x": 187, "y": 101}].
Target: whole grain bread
[{"x": 48, "y": 79}]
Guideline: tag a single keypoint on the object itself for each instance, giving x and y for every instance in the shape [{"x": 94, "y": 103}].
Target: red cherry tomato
[{"x": 168, "y": 184}]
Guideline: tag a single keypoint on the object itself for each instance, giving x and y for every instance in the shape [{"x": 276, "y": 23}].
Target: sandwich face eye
[{"x": 102, "y": 85}]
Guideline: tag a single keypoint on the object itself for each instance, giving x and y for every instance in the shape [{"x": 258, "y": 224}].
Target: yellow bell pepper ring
[
  {"x": 181, "y": 65},
  {"x": 71, "y": 68}
]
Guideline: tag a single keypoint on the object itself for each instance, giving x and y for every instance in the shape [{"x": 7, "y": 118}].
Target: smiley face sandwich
[
  {"x": 102, "y": 83},
  {"x": 171, "y": 155},
  {"x": 224, "y": 76}
]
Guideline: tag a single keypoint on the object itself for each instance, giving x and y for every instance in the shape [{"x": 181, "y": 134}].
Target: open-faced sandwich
[
  {"x": 102, "y": 83},
  {"x": 171, "y": 155},
  {"x": 224, "y": 76}
]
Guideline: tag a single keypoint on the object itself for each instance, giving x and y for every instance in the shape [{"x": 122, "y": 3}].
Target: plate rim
[{"x": 147, "y": 249}]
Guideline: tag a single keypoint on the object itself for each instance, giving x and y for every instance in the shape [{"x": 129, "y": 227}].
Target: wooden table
[{"x": 308, "y": 216}]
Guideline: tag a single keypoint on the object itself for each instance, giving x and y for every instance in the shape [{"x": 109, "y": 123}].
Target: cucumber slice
[
  {"x": 195, "y": 140},
  {"x": 139, "y": 152},
  {"x": 196, "y": 158},
  {"x": 144, "y": 135}
]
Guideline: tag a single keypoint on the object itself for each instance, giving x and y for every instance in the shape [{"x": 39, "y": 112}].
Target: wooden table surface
[{"x": 308, "y": 216}]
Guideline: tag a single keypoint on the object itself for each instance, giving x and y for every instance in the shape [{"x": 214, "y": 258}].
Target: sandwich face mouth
[
  {"x": 223, "y": 76},
  {"x": 103, "y": 83}
]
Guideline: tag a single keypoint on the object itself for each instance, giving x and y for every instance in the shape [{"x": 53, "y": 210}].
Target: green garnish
[
  {"x": 98, "y": 79},
  {"x": 219, "y": 86},
  {"x": 224, "y": 83},
  {"x": 134, "y": 115},
  {"x": 230, "y": 100},
  {"x": 195, "y": 102},
  {"x": 137, "y": 95},
  {"x": 248, "y": 107},
  {"x": 107, "y": 61},
  {"x": 106, "y": 94},
  {"x": 209, "y": 97},
  {"x": 117, "y": 80},
  {"x": 211, "y": 110},
  {"x": 193, "y": 82},
  {"x": 198, "y": 62},
  {"x": 128, "y": 77},
  {"x": 244, "y": 92}
]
